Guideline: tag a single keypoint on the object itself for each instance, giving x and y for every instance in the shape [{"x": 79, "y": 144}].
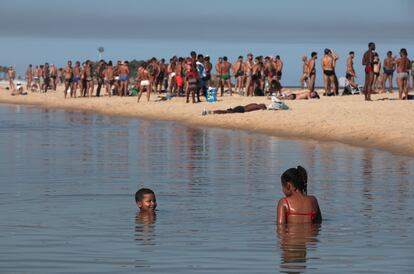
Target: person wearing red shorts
[{"x": 368, "y": 62}]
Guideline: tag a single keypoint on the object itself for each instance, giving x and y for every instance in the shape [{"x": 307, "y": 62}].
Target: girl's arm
[{"x": 281, "y": 212}]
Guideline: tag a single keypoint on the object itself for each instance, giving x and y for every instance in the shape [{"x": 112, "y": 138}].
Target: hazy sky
[{"x": 54, "y": 30}]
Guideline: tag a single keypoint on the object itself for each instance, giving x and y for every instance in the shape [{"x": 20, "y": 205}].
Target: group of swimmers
[
  {"x": 297, "y": 207},
  {"x": 191, "y": 76}
]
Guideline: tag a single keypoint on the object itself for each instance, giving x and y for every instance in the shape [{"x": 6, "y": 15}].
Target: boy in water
[{"x": 145, "y": 200}]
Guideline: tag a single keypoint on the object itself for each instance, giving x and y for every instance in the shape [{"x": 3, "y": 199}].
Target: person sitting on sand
[
  {"x": 145, "y": 200},
  {"x": 297, "y": 207}
]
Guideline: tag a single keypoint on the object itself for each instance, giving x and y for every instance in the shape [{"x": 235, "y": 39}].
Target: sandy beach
[{"x": 383, "y": 124}]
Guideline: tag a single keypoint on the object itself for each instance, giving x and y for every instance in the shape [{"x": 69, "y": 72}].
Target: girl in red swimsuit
[{"x": 297, "y": 207}]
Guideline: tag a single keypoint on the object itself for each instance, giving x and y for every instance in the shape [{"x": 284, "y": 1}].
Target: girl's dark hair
[{"x": 296, "y": 176}]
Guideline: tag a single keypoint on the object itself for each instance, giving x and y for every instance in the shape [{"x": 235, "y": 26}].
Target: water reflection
[
  {"x": 145, "y": 227},
  {"x": 294, "y": 242}
]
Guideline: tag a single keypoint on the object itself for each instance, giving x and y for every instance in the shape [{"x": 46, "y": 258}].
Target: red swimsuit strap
[{"x": 311, "y": 214}]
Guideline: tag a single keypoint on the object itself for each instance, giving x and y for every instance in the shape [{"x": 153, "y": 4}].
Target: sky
[{"x": 55, "y": 30}]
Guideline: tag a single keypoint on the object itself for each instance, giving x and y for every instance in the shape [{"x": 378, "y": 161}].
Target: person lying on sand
[
  {"x": 297, "y": 95},
  {"x": 240, "y": 109}
]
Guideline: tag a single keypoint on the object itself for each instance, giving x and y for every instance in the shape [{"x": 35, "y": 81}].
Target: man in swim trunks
[
  {"x": 312, "y": 72},
  {"x": 11, "y": 75},
  {"x": 89, "y": 79},
  {"x": 350, "y": 71},
  {"x": 123, "y": 77},
  {"x": 238, "y": 72},
  {"x": 389, "y": 67},
  {"x": 208, "y": 66},
  {"x": 109, "y": 78},
  {"x": 269, "y": 73},
  {"x": 53, "y": 76},
  {"x": 171, "y": 76},
  {"x": 328, "y": 72},
  {"x": 68, "y": 75},
  {"x": 46, "y": 77},
  {"x": 257, "y": 73},
  {"x": 144, "y": 82},
  {"x": 225, "y": 74},
  {"x": 179, "y": 76},
  {"x": 403, "y": 67},
  {"x": 305, "y": 73},
  {"x": 159, "y": 81},
  {"x": 219, "y": 81},
  {"x": 100, "y": 78},
  {"x": 191, "y": 79},
  {"x": 36, "y": 77},
  {"x": 29, "y": 77},
  {"x": 368, "y": 62},
  {"x": 61, "y": 79},
  {"x": 279, "y": 68},
  {"x": 248, "y": 72},
  {"x": 76, "y": 79}
]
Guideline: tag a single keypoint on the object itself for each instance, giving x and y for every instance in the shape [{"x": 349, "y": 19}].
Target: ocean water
[{"x": 67, "y": 199}]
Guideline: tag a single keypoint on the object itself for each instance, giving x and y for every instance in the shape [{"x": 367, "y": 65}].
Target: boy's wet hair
[
  {"x": 313, "y": 54},
  {"x": 351, "y": 52},
  {"x": 139, "y": 195},
  {"x": 298, "y": 177}
]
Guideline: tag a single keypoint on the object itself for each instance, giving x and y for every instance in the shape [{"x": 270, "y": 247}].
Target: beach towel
[{"x": 277, "y": 104}]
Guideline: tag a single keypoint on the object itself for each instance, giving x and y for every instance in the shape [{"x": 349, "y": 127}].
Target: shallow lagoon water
[{"x": 69, "y": 178}]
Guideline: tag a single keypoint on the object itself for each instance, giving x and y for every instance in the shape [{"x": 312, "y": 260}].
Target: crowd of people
[{"x": 192, "y": 76}]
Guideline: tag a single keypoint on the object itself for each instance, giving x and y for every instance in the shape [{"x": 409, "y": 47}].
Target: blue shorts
[
  {"x": 77, "y": 79},
  {"x": 123, "y": 78}
]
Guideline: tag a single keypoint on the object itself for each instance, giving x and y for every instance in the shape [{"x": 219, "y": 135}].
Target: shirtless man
[
  {"x": 219, "y": 81},
  {"x": 46, "y": 77},
  {"x": 29, "y": 77},
  {"x": 269, "y": 72},
  {"x": 60, "y": 76},
  {"x": 389, "y": 67},
  {"x": 208, "y": 67},
  {"x": 36, "y": 77},
  {"x": 368, "y": 62},
  {"x": 159, "y": 82},
  {"x": 279, "y": 68},
  {"x": 53, "y": 76},
  {"x": 403, "y": 67},
  {"x": 144, "y": 82},
  {"x": 191, "y": 77},
  {"x": 305, "y": 73},
  {"x": 171, "y": 76},
  {"x": 68, "y": 75},
  {"x": 109, "y": 78},
  {"x": 179, "y": 76},
  {"x": 238, "y": 72},
  {"x": 248, "y": 72},
  {"x": 225, "y": 74},
  {"x": 11, "y": 75},
  {"x": 123, "y": 77},
  {"x": 154, "y": 71},
  {"x": 99, "y": 73},
  {"x": 257, "y": 71},
  {"x": 76, "y": 81},
  {"x": 350, "y": 71},
  {"x": 412, "y": 73},
  {"x": 89, "y": 79},
  {"x": 328, "y": 72},
  {"x": 312, "y": 72}
]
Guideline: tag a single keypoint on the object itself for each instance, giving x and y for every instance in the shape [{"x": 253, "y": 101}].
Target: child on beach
[
  {"x": 297, "y": 207},
  {"x": 145, "y": 200}
]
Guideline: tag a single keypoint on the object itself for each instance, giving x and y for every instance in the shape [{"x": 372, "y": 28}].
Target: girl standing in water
[{"x": 297, "y": 207}]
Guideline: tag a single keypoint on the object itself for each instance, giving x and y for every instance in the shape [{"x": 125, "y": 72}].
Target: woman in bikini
[{"x": 297, "y": 207}]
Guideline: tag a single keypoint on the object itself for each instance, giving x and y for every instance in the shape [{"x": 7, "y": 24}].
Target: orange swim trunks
[{"x": 179, "y": 80}]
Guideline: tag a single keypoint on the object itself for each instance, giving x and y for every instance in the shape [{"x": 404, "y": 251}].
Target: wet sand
[{"x": 383, "y": 124}]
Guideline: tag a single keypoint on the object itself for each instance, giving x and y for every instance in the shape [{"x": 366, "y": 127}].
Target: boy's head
[{"x": 145, "y": 199}]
